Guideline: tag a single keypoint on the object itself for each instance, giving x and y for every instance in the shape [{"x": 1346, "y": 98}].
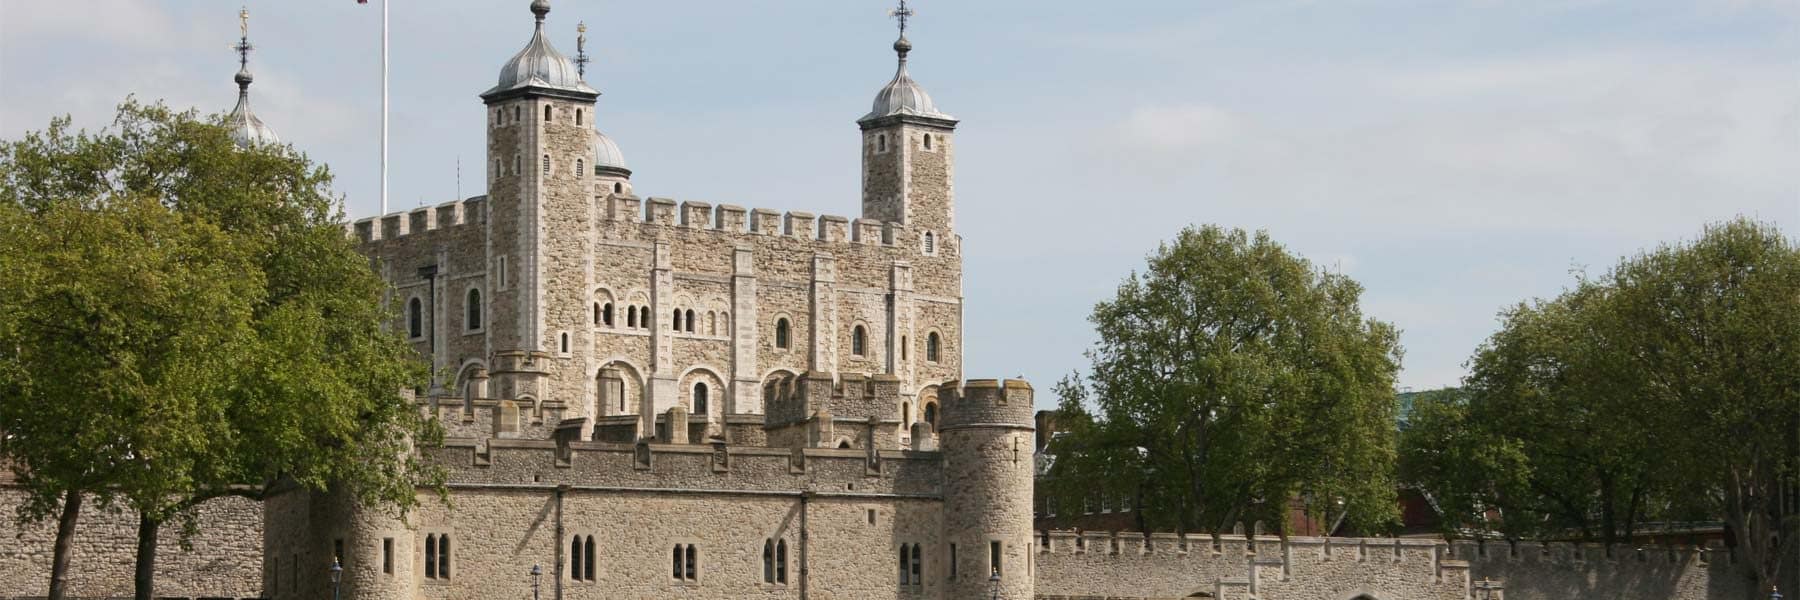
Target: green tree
[
  {"x": 1666, "y": 389},
  {"x": 117, "y": 321},
  {"x": 1231, "y": 378},
  {"x": 1548, "y": 437},
  {"x": 1712, "y": 328},
  {"x": 309, "y": 391}
]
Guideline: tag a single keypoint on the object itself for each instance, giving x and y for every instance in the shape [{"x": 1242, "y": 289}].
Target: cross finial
[
  {"x": 581, "y": 57},
  {"x": 243, "y": 46},
  {"x": 901, "y": 14}
]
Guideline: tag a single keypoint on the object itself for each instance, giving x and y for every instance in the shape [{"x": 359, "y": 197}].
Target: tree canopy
[
  {"x": 1233, "y": 378},
  {"x": 1666, "y": 389},
  {"x": 188, "y": 320}
]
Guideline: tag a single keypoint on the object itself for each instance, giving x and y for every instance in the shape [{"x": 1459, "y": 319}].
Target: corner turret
[
  {"x": 985, "y": 436},
  {"x": 908, "y": 159}
]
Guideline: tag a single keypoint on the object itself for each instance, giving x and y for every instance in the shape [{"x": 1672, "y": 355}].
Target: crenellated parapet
[
  {"x": 815, "y": 409},
  {"x": 427, "y": 221},
  {"x": 714, "y": 466},
  {"x": 1076, "y": 564},
  {"x": 732, "y": 219}
]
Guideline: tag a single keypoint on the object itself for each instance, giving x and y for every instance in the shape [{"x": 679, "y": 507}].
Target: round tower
[{"x": 985, "y": 437}]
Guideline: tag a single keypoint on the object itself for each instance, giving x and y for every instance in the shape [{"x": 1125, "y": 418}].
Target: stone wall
[
  {"x": 224, "y": 559},
  {"x": 1129, "y": 565}
]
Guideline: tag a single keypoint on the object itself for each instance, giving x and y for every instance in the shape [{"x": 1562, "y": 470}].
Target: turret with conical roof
[
  {"x": 544, "y": 175},
  {"x": 908, "y": 164},
  {"x": 246, "y": 128}
]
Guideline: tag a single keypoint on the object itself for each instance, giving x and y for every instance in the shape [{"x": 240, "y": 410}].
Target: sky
[{"x": 1456, "y": 157}]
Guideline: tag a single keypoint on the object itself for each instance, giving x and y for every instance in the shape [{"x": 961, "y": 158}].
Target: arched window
[
  {"x": 881, "y": 143},
  {"x": 606, "y": 315},
  {"x": 618, "y": 188},
  {"x": 546, "y": 165},
  {"x": 575, "y": 559},
  {"x": 517, "y": 166},
  {"x": 596, "y": 313},
  {"x": 917, "y": 565},
  {"x": 581, "y": 558},
  {"x": 690, "y": 320},
  {"x": 546, "y": 113},
  {"x": 700, "y": 399},
  {"x": 931, "y": 347},
  {"x": 903, "y": 348},
  {"x": 685, "y": 558},
  {"x": 415, "y": 318},
  {"x": 780, "y": 561},
  {"x": 712, "y": 323},
  {"x": 931, "y": 414},
  {"x": 431, "y": 556},
  {"x": 768, "y": 561},
  {"x": 725, "y": 322},
  {"x": 905, "y": 565},
  {"x": 580, "y": 168},
  {"x": 577, "y": 116},
  {"x": 443, "y": 557},
  {"x": 472, "y": 311},
  {"x": 565, "y": 342},
  {"x": 858, "y": 338},
  {"x": 515, "y": 113},
  {"x": 906, "y": 413},
  {"x": 498, "y": 168},
  {"x": 844, "y": 444},
  {"x": 675, "y": 321},
  {"x": 589, "y": 558},
  {"x": 781, "y": 334},
  {"x": 930, "y": 243},
  {"x": 927, "y": 141},
  {"x": 631, "y": 317}
]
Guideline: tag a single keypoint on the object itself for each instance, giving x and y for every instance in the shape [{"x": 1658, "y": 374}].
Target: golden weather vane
[{"x": 243, "y": 46}]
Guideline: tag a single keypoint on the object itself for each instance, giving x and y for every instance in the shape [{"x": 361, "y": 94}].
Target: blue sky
[{"x": 1455, "y": 156}]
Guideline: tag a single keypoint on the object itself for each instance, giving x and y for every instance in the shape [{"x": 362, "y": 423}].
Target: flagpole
[{"x": 384, "y": 107}]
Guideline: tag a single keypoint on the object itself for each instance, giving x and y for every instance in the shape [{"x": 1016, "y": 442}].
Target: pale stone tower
[
  {"x": 986, "y": 441},
  {"x": 908, "y": 159},
  {"x": 541, "y": 147}
]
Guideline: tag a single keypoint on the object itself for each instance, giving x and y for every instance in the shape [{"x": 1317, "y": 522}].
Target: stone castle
[{"x": 652, "y": 399}]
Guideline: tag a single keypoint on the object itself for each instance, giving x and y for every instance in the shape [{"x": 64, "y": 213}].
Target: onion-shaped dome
[
  {"x": 540, "y": 66},
  {"x": 246, "y": 128},
  {"x": 903, "y": 96},
  {"x": 607, "y": 157}
]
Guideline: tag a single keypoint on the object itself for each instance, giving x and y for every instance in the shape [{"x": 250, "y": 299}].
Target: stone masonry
[{"x": 647, "y": 398}]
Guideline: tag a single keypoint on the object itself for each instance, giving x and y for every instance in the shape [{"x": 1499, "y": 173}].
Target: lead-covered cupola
[
  {"x": 908, "y": 159},
  {"x": 902, "y": 96},
  {"x": 540, "y": 68},
  {"x": 246, "y": 128}
]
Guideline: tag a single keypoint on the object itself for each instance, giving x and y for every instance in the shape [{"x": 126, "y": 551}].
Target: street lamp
[
  {"x": 337, "y": 576},
  {"x": 995, "y": 580},
  {"x": 536, "y": 572}
]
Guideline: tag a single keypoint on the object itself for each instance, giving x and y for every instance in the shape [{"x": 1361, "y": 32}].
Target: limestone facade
[{"x": 647, "y": 398}]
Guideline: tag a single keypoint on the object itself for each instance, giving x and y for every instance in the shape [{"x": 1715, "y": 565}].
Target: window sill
[{"x": 469, "y": 332}]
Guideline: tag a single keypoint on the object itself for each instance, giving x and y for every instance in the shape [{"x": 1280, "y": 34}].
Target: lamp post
[
  {"x": 536, "y": 572},
  {"x": 337, "y": 577},
  {"x": 995, "y": 580}
]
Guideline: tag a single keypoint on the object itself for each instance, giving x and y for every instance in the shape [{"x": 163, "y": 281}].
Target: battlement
[
  {"x": 986, "y": 402},
  {"x": 656, "y": 211},
  {"x": 717, "y": 466},
  {"x": 1134, "y": 564},
  {"x": 816, "y": 394},
  {"x": 422, "y": 220},
  {"x": 666, "y": 212}
]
